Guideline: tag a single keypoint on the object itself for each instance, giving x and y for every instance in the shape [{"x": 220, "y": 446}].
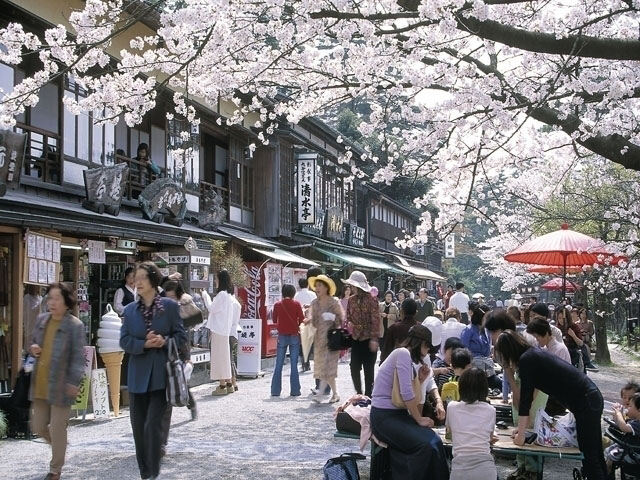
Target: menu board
[{"x": 42, "y": 259}]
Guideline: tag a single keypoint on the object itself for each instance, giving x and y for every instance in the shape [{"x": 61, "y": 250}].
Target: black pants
[
  {"x": 589, "y": 435},
  {"x": 147, "y": 410},
  {"x": 166, "y": 418},
  {"x": 416, "y": 452},
  {"x": 586, "y": 354},
  {"x": 362, "y": 357}
]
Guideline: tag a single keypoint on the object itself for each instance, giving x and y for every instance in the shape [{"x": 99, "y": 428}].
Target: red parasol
[
  {"x": 552, "y": 270},
  {"x": 563, "y": 248},
  {"x": 556, "y": 284}
]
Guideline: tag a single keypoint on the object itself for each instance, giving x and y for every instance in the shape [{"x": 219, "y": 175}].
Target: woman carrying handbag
[{"x": 148, "y": 324}]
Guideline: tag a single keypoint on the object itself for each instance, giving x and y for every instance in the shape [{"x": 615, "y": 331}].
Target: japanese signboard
[
  {"x": 355, "y": 235},
  {"x": 99, "y": 394},
  {"x": 306, "y": 188},
  {"x": 334, "y": 224},
  {"x": 249, "y": 343},
  {"x": 163, "y": 195},
  {"x": 316, "y": 229},
  {"x": 104, "y": 187},
  {"x": 450, "y": 246},
  {"x": 83, "y": 395},
  {"x": 12, "y": 148}
]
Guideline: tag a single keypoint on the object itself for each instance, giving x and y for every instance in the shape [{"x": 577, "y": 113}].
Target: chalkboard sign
[
  {"x": 104, "y": 187},
  {"x": 12, "y": 148},
  {"x": 163, "y": 195}
]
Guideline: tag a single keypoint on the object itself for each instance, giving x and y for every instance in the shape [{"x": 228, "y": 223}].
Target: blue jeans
[{"x": 293, "y": 342}]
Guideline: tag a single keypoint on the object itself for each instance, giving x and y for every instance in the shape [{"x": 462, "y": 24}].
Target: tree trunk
[{"x": 600, "y": 323}]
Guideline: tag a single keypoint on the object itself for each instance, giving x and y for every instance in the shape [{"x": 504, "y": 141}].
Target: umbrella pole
[{"x": 564, "y": 277}]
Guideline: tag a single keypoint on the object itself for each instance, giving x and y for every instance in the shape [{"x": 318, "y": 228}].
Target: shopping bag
[
  {"x": 555, "y": 432},
  {"x": 344, "y": 467},
  {"x": 177, "y": 389}
]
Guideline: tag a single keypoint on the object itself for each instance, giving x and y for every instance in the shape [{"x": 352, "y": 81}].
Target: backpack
[{"x": 450, "y": 390}]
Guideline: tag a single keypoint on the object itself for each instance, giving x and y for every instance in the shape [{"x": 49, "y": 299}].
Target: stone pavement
[{"x": 245, "y": 435}]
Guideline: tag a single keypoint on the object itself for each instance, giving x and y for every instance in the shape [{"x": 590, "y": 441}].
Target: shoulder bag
[
  {"x": 416, "y": 386},
  {"x": 177, "y": 389},
  {"x": 190, "y": 314}
]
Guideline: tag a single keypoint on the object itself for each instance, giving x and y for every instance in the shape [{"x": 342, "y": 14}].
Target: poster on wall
[
  {"x": 96, "y": 252},
  {"x": 273, "y": 283},
  {"x": 42, "y": 259}
]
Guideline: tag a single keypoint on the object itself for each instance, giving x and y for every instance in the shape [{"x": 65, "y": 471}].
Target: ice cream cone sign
[{"x": 111, "y": 354}]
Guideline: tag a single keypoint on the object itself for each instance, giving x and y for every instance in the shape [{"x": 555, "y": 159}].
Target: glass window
[
  {"x": 109, "y": 144},
  {"x": 158, "y": 146},
  {"x": 97, "y": 150},
  {"x": 69, "y": 129},
  {"x": 45, "y": 114},
  {"x": 6, "y": 79}
]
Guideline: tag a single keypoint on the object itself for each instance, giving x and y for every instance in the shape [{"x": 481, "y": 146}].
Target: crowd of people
[{"x": 436, "y": 367}]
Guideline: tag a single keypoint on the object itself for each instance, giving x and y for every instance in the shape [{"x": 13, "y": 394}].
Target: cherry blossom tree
[{"x": 464, "y": 92}]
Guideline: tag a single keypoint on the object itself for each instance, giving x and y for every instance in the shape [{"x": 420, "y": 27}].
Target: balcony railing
[
  {"x": 42, "y": 159},
  {"x": 138, "y": 177},
  {"x": 206, "y": 188}
]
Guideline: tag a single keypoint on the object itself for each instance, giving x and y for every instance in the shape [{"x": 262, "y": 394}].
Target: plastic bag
[{"x": 555, "y": 432}]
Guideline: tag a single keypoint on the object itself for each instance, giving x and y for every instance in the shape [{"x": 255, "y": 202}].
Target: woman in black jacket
[{"x": 541, "y": 370}]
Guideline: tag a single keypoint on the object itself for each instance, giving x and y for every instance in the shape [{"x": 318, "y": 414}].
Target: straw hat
[
  {"x": 326, "y": 280},
  {"x": 358, "y": 279}
]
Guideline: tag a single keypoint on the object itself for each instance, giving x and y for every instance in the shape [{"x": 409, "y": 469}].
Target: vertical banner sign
[
  {"x": 12, "y": 149},
  {"x": 450, "y": 246},
  {"x": 99, "y": 394},
  {"x": 306, "y": 189},
  {"x": 83, "y": 395}
]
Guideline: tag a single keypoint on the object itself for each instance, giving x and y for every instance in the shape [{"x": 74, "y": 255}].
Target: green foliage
[{"x": 232, "y": 263}]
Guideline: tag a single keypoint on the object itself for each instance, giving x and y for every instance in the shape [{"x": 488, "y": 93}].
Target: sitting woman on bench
[{"x": 416, "y": 451}]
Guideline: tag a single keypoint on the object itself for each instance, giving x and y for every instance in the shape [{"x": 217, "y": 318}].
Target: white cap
[{"x": 435, "y": 327}]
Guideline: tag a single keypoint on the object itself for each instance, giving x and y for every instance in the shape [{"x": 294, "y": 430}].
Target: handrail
[
  {"x": 43, "y": 159},
  {"x": 138, "y": 177}
]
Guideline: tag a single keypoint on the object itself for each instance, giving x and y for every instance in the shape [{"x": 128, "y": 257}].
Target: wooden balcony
[
  {"x": 205, "y": 190},
  {"x": 138, "y": 177},
  {"x": 42, "y": 159}
]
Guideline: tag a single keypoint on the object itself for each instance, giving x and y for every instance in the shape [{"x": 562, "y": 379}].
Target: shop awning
[
  {"x": 284, "y": 256},
  {"x": 246, "y": 237},
  {"x": 359, "y": 261},
  {"x": 422, "y": 273},
  {"x": 33, "y": 211}
]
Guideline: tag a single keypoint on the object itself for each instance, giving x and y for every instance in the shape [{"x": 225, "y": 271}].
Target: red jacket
[{"x": 287, "y": 315}]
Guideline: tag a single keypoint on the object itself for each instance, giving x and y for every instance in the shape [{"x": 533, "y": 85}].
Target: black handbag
[
  {"x": 339, "y": 339},
  {"x": 344, "y": 467}
]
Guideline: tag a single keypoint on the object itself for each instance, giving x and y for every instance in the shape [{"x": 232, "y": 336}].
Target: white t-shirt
[
  {"x": 460, "y": 301},
  {"x": 430, "y": 383},
  {"x": 559, "y": 349},
  {"x": 305, "y": 297},
  {"x": 451, "y": 328},
  {"x": 499, "y": 304},
  {"x": 471, "y": 426}
]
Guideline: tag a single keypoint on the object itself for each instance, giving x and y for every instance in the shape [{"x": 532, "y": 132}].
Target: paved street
[{"x": 246, "y": 435}]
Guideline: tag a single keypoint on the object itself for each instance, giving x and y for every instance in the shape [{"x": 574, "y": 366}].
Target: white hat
[
  {"x": 359, "y": 280},
  {"x": 477, "y": 295},
  {"x": 435, "y": 326}
]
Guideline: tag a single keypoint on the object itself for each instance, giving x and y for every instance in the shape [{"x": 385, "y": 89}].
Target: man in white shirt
[
  {"x": 304, "y": 295},
  {"x": 499, "y": 303},
  {"x": 541, "y": 310},
  {"x": 460, "y": 300},
  {"x": 451, "y": 328},
  {"x": 541, "y": 330}
]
